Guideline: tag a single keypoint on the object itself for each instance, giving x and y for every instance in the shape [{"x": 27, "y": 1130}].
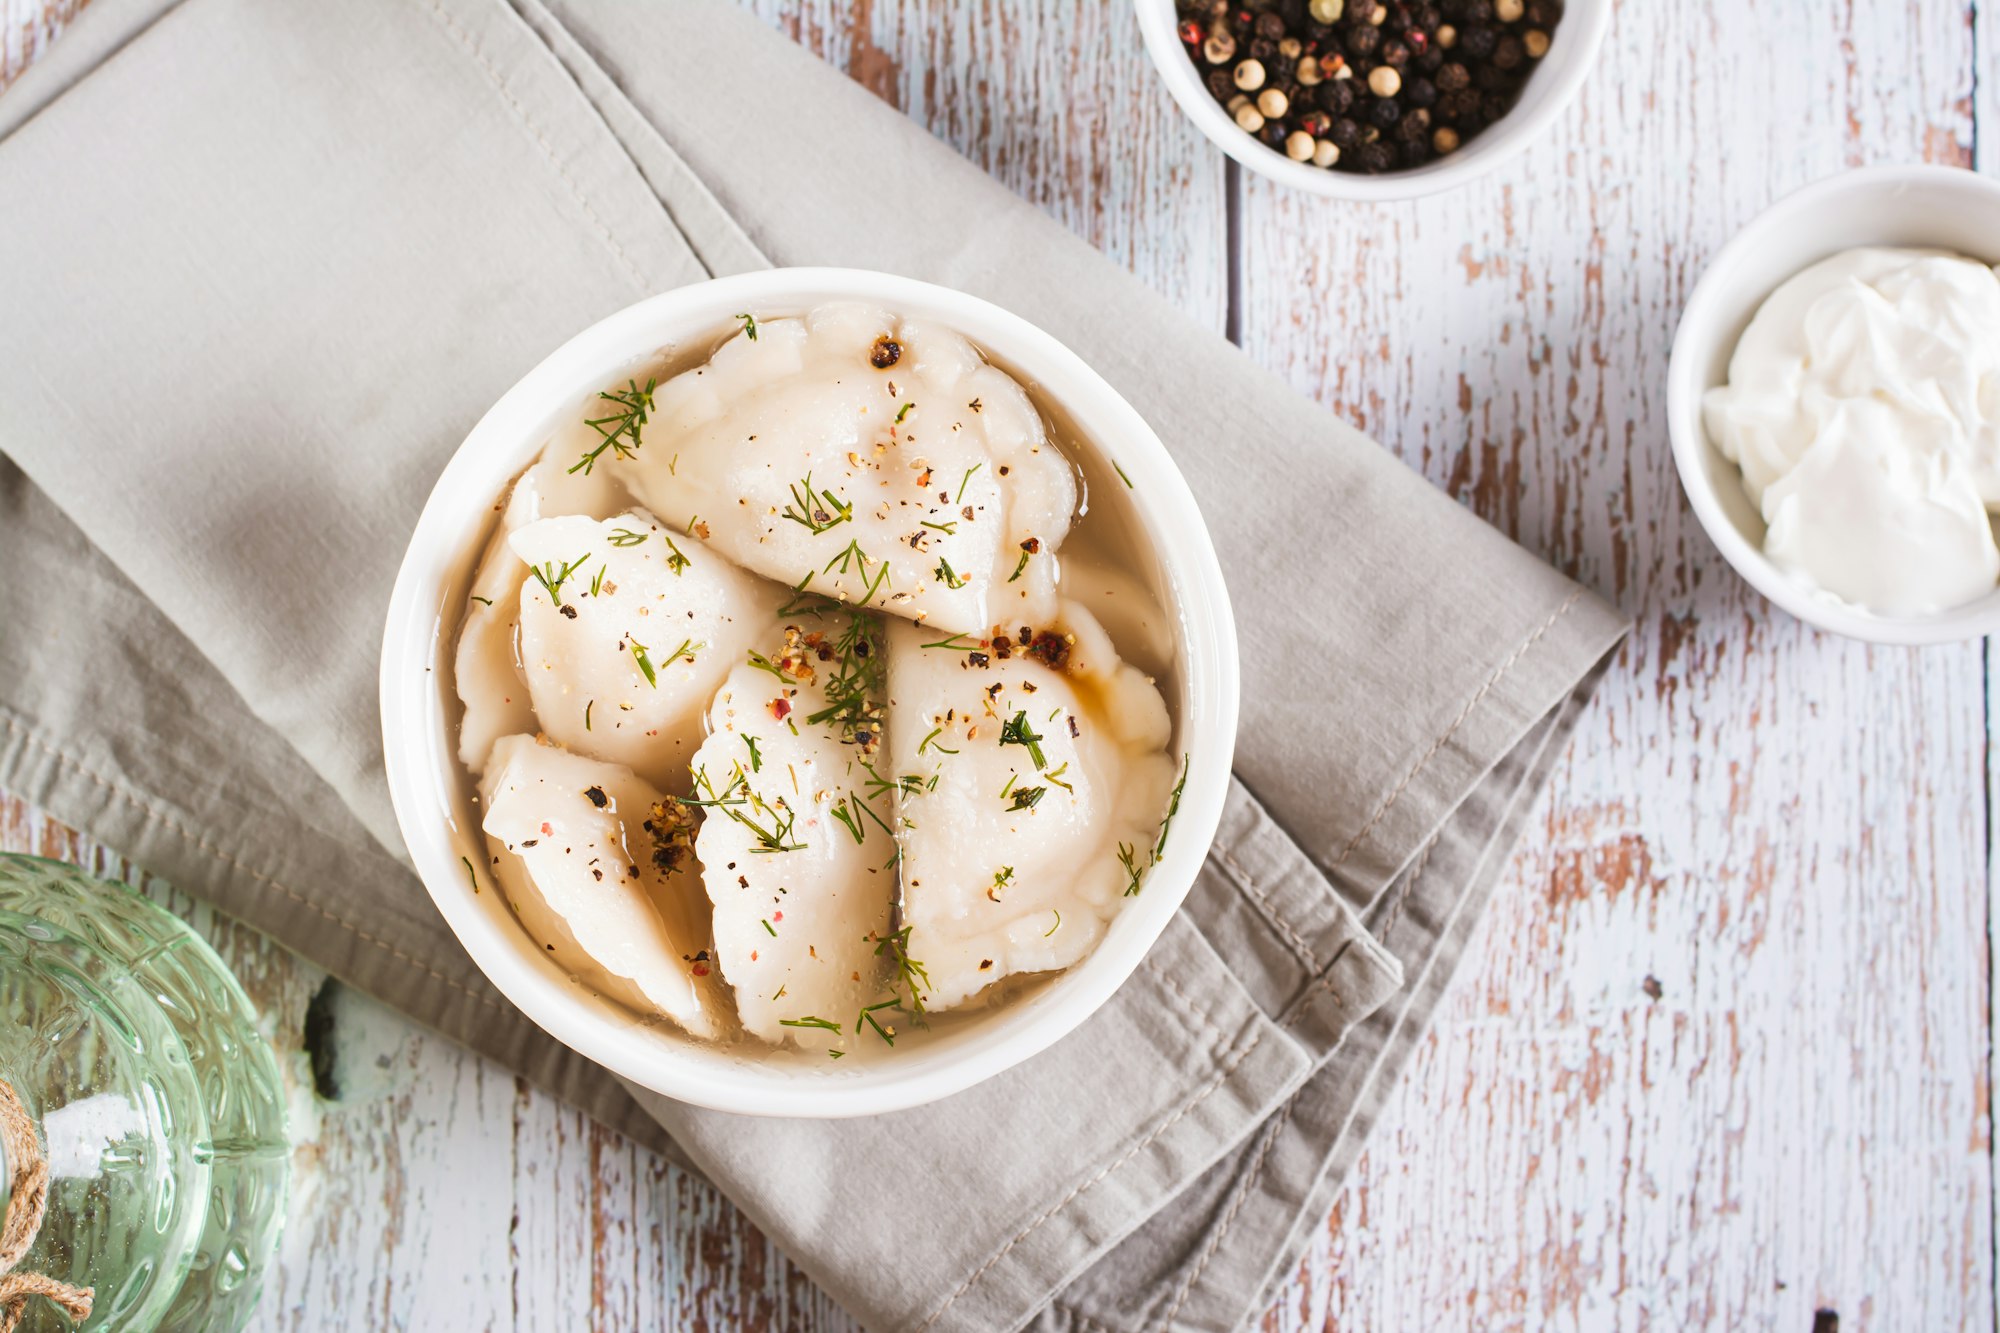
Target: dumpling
[
  {"x": 1033, "y": 779},
  {"x": 626, "y": 632},
  {"x": 796, "y": 843},
  {"x": 486, "y": 672},
  {"x": 598, "y": 870},
  {"x": 876, "y": 460}
]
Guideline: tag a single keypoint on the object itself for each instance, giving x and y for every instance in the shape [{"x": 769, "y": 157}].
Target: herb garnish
[
  {"x": 483, "y": 601},
  {"x": 620, "y": 430},
  {"x": 867, "y": 1015},
  {"x": 1128, "y": 857},
  {"x": 1055, "y": 775},
  {"x": 807, "y": 511},
  {"x": 1018, "y": 732},
  {"x": 777, "y": 838},
  {"x": 756, "y": 760},
  {"x": 965, "y": 479},
  {"x": 769, "y": 929},
  {"x": 1025, "y": 798},
  {"x": 474, "y": 879},
  {"x": 905, "y": 411},
  {"x": 763, "y": 663},
  {"x": 1122, "y": 477},
  {"x": 854, "y": 689},
  {"x": 948, "y": 529},
  {"x": 803, "y": 602},
  {"x": 927, "y": 742},
  {"x": 948, "y": 578},
  {"x": 1057, "y": 926},
  {"x": 645, "y": 663},
  {"x": 586, "y": 713},
  {"x": 749, "y": 326},
  {"x": 1173, "y": 808},
  {"x": 1019, "y": 565},
  {"x": 551, "y": 581},
  {"x": 953, "y": 644},
  {"x": 597, "y": 581},
  {"x": 909, "y": 971},
  {"x": 676, "y": 562},
  {"x": 848, "y": 557},
  {"x": 809, "y": 1021},
  {"x": 625, "y": 537}
]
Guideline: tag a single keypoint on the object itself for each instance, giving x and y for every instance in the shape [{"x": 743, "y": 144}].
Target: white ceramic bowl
[
  {"x": 432, "y": 799},
  {"x": 1897, "y": 206},
  {"x": 1558, "y": 75}
]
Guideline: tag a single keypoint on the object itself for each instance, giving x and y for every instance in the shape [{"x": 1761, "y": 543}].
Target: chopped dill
[
  {"x": 965, "y": 480},
  {"x": 749, "y": 326},
  {"x": 929, "y": 742},
  {"x": 1057, "y": 926},
  {"x": 1055, "y": 775},
  {"x": 483, "y": 601},
  {"x": 676, "y": 562},
  {"x": 1122, "y": 477},
  {"x": 1016, "y": 731},
  {"x": 756, "y": 760},
  {"x": 1128, "y": 857},
  {"x": 619, "y": 432},
  {"x": 954, "y": 644},
  {"x": 769, "y": 929},
  {"x": 552, "y": 582},
  {"x": 645, "y": 664},
  {"x": 1025, "y": 798},
  {"x": 472, "y": 878},
  {"x": 1019, "y": 566},
  {"x": 586, "y": 713},
  {"x": 763, "y": 663},
  {"x": 1173, "y": 808},
  {"x": 903, "y": 412},
  {"x": 948, "y": 578},
  {"x": 810, "y": 1021},
  {"x": 625, "y": 537},
  {"x": 806, "y": 510},
  {"x": 597, "y": 581},
  {"x": 948, "y": 529}
]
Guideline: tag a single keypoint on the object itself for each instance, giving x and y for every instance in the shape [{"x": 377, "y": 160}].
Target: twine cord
[{"x": 27, "y": 1202}]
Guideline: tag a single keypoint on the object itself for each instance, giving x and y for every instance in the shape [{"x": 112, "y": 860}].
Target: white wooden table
[{"x": 1721, "y": 1055}]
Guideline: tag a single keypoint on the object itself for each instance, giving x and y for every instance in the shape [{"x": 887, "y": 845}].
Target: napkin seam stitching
[
  {"x": 1243, "y": 1192},
  {"x": 1222, "y": 1074},
  {"x": 1271, "y": 914},
  {"x": 1303, "y": 1005},
  {"x": 1410, "y": 883},
  {"x": 465, "y": 42},
  {"x": 201, "y": 844},
  {"x": 1499, "y": 674},
  {"x": 1187, "y": 1002}
]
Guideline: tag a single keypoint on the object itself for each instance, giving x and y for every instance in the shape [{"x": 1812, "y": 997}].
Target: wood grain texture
[{"x": 1786, "y": 836}]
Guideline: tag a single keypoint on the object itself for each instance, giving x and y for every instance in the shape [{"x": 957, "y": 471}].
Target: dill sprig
[
  {"x": 738, "y": 797},
  {"x": 552, "y": 582},
  {"x": 810, "y": 1021},
  {"x": 625, "y": 537},
  {"x": 948, "y": 529},
  {"x": 954, "y": 644},
  {"x": 1128, "y": 857},
  {"x": 1026, "y": 798},
  {"x": 756, "y": 759},
  {"x": 855, "y": 688},
  {"x": 1019, "y": 566},
  {"x": 1173, "y": 808},
  {"x": 749, "y": 326},
  {"x": 929, "y": 743},
  {"x": 1016, "y": 731},
  {"x": 620, "y": 430},
  {"x": 964, "y": 480},
  {"x": 676, "y": 562},
  {"x": 909, "y": 972},
  {"x": 804, "y": 603},
  {"x": 853, "y": 557},
  {"x": 867, "y": 1015},
  {"x": 1122, "y": 477},
  {"x": 807, "y": 511},
  {"x": 947, "y": 577}
]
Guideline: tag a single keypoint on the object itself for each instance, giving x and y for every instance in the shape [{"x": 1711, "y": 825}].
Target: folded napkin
[{"x": 266, "y": 265}]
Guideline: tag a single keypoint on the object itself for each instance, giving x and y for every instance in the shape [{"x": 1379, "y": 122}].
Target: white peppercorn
[
  {"x": 1308, "y": 72},
  {"x": 1220, "y": 48},
  {"x": 1535, "y": 42},
  {"x": 1325, "y": 153},
  {"x": 1445, "y": 140},
  {"x": 1249, "y": 118},
  {"x": 1299, "y": 146},
  {"x": 1273, "y": 103},
  {"x": 1384, "y": 81},
  {"x": 1290, "y": 48},
  {"x": 1509, "y": 11},
  {"x": 1327, "y": 11},
  {"x": 1250, "y": 75},
  {"x": 1447, "y": 36}
]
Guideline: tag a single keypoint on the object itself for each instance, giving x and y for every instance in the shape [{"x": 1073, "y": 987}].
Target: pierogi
[
  {"x": 876, "y": 460},
  {"x": 789, "y": 694}
]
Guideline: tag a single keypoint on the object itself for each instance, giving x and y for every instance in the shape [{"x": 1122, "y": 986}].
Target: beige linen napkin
[{"x": 268, "y": 263}]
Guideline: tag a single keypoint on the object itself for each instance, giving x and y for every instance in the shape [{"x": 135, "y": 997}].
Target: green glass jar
[{"x": 157, "y": 1104}]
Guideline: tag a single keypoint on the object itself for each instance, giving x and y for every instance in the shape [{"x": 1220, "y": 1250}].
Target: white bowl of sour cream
[
  {"x": 1834, "y": 404},
  {"x": 1147, "y": 527}
]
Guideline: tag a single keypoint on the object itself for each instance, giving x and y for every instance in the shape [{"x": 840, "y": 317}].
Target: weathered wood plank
[{"x": 1785, "y": 831}]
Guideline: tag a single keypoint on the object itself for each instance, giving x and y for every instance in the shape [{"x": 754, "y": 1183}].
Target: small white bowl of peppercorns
[{"x": 1373, "y": 99}]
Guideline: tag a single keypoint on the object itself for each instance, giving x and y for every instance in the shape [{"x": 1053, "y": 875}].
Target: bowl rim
[
  {"x": 421, "y": 760},
  {"x": 1698, "y": 330},
  {"x": 1573, "y": 50}
]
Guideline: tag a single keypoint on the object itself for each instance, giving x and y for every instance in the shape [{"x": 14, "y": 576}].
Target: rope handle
[{"x": 27, "y": 1203}]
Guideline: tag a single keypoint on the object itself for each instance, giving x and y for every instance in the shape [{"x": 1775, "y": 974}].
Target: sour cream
[{"x": 1863, "y": 407}]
